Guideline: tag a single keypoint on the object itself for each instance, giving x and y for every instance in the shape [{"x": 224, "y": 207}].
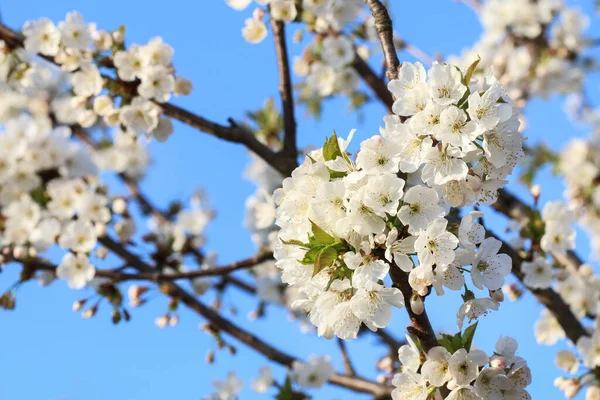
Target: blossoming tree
[{"x": 344, "y": 237}]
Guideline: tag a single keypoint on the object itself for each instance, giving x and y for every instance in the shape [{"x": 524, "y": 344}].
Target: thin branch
[
  {"x": 285, "y": 90},
  {"x": 222, "y": 324},
  {"x": 348, "y": 367},
  {"x": 217, "y": 321},
  {"x": 372, "y": 80},
  {"x": 249, "y": 262},
  {"x": 548, "y": 297},
  {"x": 385, "y": 31}
]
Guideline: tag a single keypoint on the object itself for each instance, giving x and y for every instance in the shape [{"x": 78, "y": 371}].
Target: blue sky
[{"x": 50, "y": 353}]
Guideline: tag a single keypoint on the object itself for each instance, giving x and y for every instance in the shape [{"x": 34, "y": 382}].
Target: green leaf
[
  {"x": 471, "y": 71},
  {"x": 286, "y": 392},
  {"x": 446, "y": 342},
  {"x": 467, "y": 337},
  {"x": 311, "y": 256},
  {"x": 294, "y": 242},
  {"x": 325, "y": 258},
  {"x": 322, "y": 236},
  {"x": 336, "y": 174},
  {"x": 331, "y": 148},
  {"x": 457, "y": 341}
]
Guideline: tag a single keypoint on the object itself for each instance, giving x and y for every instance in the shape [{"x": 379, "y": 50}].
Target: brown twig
[
  {"x": 372, "y": 80},
  {"x": 548, "y": 297},
  {"x": 348, "y": 367},
  {"x": 385, "y": 31},
  {"x": 285, "y": 90},
  {"x": 222, "y": 324}
]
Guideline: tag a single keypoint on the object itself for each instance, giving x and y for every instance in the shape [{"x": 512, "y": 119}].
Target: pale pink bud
[
  {"x": 381, "y": 238},
  {"x": 498, "y": 362},
  {"x": 536, "y": 190},
  {"x": 452, "y": 385},
  {"x": 258, "y": 14},
  {"x": 119, "y": 206},
  {"x": 162, "y": 321},
  {"x": 385, "y": 364},
  {"x": 174, "y": 320},
  {"x": 513, "y": 291},
  {"x": 90, "y": 312},
  {"x": 19, "y": 252},
  {"x": 416, "y": 304},
  {"x": 101, "y": 252},
  {"x": 497, "y": 295},
  {"x": 100, "y": 229},
  {"x": 32, "y": 252},
  {"x": 135, "y": 291},
  {"x": 78, "y": 305}
]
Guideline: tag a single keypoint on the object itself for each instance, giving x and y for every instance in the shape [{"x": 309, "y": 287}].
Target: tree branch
[
  {"x": 348, "y": 367},
  {"x": 372, "y": 80},
  {"x": 385, "y": 31},
  {"x": 222, "y": 324},
  {"x": 285, "y": 90},
  {"x": 548, "y": 297}
]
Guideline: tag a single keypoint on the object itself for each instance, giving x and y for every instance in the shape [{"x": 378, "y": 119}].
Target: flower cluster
[
  {"x": 535, "y": 47},
  {"x": 462, "y": 136},
  {"x": 345, "y": 224},
  {"x": 467, "y": 373},
  {"x": 109, "y": 83},
  {"x": 49, "y": 195},
  {"x": 580, "y": 165}
]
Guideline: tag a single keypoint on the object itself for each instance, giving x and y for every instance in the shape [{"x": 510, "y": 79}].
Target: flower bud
[
  {"x": 497, "y": 295},
  {"x": 135, "y": 291},
  {"x": 119, "y": 206},
  {"x": 101, "y": 252},
  {"x": 19, "y": 252},
  {"x": 381, "y": 238},
  {"x": 498, "y": 362},
  {"x": 174, "y": 320},
  {"x": 100, "y": 229},
  {"x": 162, "y": 321},
  {"x": 452, "y": 385},
  {"x": 78, "y": 305},
  {"x": 536, "y": 190},
  {"x": 513, "y": 291},
  {"x": 258, "y": 14},
  {"x": 90, "y": 312},
  {"x": 416, "y": 304},
  {"x": 567, "y": 361},
  {"x": 210, "y": 357}
]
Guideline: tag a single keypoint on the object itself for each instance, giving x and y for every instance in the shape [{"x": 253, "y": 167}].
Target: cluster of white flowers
[
  {"x": 49, "y": 195},
  {"x": 93, "y": 59},
  {"x": 467, "y": 373},
  {"x": 534, "y": 46},
  {"x": 344, "y": 224},
  {"x": 580, "y": 165}
]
